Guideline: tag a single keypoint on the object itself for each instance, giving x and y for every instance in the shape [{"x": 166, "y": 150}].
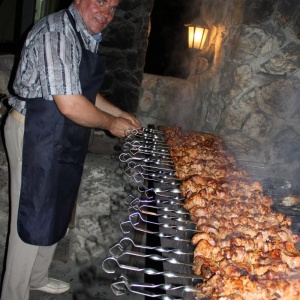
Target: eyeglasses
[{"x": 103, "y": 3}]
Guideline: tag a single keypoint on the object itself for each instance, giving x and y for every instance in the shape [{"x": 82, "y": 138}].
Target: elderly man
[{"x": 56, "y": 103}]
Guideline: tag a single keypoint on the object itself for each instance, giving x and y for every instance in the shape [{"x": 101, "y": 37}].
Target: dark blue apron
[{"x": 54, "y": 151}]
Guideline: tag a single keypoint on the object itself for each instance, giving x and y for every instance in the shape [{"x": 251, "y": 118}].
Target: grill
[{"x": 155, "y": 257}]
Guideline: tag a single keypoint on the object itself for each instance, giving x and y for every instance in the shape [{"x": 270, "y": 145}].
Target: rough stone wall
[
  {"x": 124, "y": 49},
  {"x": 6, "y": 65},
  {"x": 251, "y": 95},
  {"x": 167, "y": 101},
  {"x": 248, "y": 83}
]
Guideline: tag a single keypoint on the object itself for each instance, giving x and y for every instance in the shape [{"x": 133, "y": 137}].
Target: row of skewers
[{"x": 147, "y": 159}]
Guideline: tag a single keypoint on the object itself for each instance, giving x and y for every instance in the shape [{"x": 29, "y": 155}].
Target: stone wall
[
  {"x": 124, "y": 49},
  {"x": 167, "y": 101},
  {"x": 6, "y": 65},
  {"x": 247, "y": 83}
]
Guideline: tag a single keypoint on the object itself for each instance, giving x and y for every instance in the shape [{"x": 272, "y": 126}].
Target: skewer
[
  {"x": 146, "y": 141},
  {"x": 140, "y": 177},
  {"x": 140, "y": 168},
  {"x": 140, "y": 148},
  {"x": 157, "y": 233},
  {"x": 150, "y": 130},
  {"x": 175, "y": 201},
  {"x": 136, "y": 202},
  {"x": 145, "y": 144},
  {"x": 163, "y": 225},
  {"x": 144, "y": 150},
  {"x": 127, "y": 242},
  {"x": 126, "y": 157},
  {"x": 155, "y": 257},
  {"x": 134, "y": 168},
  {"x": 167, "y": 209},
  {"x": 149, "y": 271},
  {"x": 159, "y": 192},
  {"x": 118, "y": 289},
  {"x": 155, "y": 174},
  {"x": 139, "y": 133},
  {"x": 164, "y": 216}
]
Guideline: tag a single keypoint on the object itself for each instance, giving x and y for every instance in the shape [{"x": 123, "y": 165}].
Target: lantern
[{"x": 196, "y": 36}]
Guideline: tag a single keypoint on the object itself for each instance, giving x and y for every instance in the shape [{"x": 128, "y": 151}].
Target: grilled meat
[{"x": 244, "y": 249}]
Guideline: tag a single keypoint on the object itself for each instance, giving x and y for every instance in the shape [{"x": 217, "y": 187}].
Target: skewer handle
[
  {"x": 118, "y": 289},
  {"x": 127, "y": 242},
  {"x": 108, "y": 268}
]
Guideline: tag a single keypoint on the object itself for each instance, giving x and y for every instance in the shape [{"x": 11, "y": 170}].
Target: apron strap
[{"x": 74, "y": 26}]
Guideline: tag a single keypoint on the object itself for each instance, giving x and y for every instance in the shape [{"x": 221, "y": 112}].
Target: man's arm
[
  {"x": 81, "y": 111},
  {"x": 109, "y": 108}
]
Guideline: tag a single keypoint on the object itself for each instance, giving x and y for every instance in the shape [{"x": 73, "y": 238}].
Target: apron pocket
[{"x": 71, "y": 143}]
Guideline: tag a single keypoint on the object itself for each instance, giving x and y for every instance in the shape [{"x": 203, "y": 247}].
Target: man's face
[{"x": 96, "y": 14}]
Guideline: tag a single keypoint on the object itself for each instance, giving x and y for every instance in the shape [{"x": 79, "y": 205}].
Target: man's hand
[
  {"x": 131, "y": 118},
  {"x": 120, "y": 126}
]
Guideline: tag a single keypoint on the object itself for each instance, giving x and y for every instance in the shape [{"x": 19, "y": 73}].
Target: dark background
[{"x": 168, "y": 46}]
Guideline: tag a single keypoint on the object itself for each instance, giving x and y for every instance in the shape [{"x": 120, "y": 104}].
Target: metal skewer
[
  {"x": 145, "y": 144},
  {"x": 106, "y": 265},
  {"x": 140, "y": 134},
  {"x": 151, "y": 174},
  {"x": 127, "y": 242},
  {"x": 144, "y": 150},
  {"x": 136, "y": 202},
  {"x": 118, "y": 289},
  {"x": 146, "y": 141},
  {"x": 157, "y": 233},
  {"x": 151, "y": 130},
  {"x": 140, "y": 168},
  {"x": 177, "y": 202},
  {"x": 140, "y": 177},
  {"x": 126, "y": 157},
  {"x": 155, "y": 257},
  {"x": 159, "y": 192},
  {"x": 167, "y": 209},
  {"x": 147, "y": 148},
  {"x": 163, "y": 225},
  {"x": 163, "y": 216}
]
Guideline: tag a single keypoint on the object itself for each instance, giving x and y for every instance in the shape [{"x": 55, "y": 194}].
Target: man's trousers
[{"x": 26, "y": 265}]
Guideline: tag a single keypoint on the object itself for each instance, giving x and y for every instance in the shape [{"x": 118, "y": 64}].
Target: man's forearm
[
  {"x": 107, "y": 107},
  {"x": 111, "y": 109},
  {"x": 81, "y": 111}
]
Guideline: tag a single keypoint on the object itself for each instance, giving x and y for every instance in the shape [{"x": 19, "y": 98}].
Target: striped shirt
[{"x": 50, "y": 59}]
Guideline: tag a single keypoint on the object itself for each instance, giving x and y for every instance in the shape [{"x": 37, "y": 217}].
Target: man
[{"x": 47, "y": 134}]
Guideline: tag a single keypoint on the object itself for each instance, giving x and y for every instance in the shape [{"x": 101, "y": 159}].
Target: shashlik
[{"x": 244, "y": 250}]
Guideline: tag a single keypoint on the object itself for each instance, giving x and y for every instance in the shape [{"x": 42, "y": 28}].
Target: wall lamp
[{"x": 197, "y": 35}]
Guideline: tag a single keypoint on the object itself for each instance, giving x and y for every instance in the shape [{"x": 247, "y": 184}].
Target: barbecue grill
[{"x": 155, "y": 257}]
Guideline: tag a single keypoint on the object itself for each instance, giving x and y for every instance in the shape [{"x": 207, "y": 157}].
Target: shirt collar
[{"x": 97, "y": 37}]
